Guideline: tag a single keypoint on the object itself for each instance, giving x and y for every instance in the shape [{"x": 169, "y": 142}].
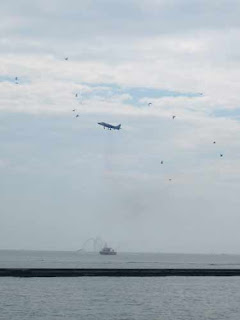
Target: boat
[{"x": 107, "y": 251}]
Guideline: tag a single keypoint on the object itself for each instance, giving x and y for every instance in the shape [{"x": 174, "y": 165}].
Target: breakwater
[{"x": 53, "y": 272}]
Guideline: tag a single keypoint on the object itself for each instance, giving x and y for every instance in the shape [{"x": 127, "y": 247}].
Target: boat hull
[{"x": 108, "y": 253}]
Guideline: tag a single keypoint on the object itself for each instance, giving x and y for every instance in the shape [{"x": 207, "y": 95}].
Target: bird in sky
[
  {"x": 66, "y": 58},
  {"x": 221, "y": 155},
  {"x": 173, "y": 117},
  {"x": 77, "y": 115},
  {"x": 161, "y": 162}
]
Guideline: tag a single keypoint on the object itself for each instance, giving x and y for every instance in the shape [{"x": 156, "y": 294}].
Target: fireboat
[{"x": 107, "y": 251}]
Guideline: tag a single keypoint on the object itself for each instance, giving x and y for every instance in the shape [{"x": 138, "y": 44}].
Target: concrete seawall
[{"x": 46, "y": 272}]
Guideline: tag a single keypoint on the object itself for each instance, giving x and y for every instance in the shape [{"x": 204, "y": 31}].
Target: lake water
[
  {"x": 118, "y": 298},
  {"x": 68, "y": 259}
]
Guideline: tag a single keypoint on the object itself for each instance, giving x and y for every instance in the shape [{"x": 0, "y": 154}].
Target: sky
[{"x": 66, "y": 179}]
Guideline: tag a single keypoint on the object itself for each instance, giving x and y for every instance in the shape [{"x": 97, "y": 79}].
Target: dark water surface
[{"x": 118, "y": 298}]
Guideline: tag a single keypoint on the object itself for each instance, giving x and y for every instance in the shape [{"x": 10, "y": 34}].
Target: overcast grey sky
[{"x": 65, "y": 179}]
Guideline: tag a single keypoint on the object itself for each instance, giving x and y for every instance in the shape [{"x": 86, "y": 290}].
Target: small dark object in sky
[
  {"x": 173, "y": 117},
  {"x": 76, "y": 95},
  {"x": 161, "y": 162},
  {"x": 74, "y": 110},
  {"x": 221, "y": 155},
  {"x": 66, "y": 58},
  {"x": 170, "y": 179},
  {"x": 77, "y": 115},
  {"x": 214, "y": 142},
  {"x": 149, "y": 104}
]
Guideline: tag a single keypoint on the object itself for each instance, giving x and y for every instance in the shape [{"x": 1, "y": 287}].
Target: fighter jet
[{"x": 109, "y": 126}]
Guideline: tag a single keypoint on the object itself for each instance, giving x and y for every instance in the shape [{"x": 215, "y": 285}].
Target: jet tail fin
[{"x": 118, "y": 127}]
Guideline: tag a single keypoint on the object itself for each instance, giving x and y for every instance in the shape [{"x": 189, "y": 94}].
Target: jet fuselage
[{"x": 109, "y": 126}]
